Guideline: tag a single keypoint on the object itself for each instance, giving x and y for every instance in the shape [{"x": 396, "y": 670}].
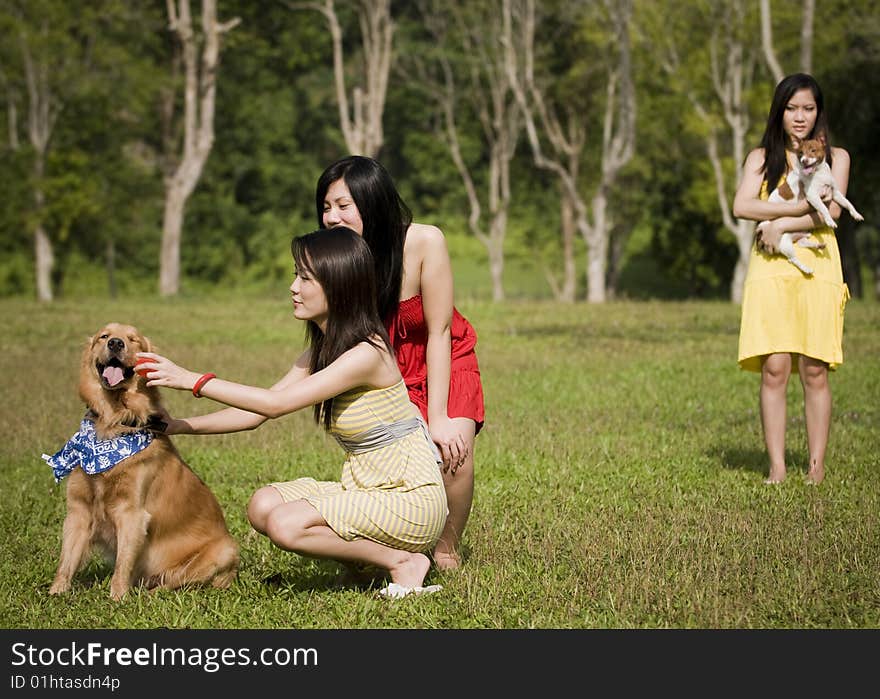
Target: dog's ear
[
  {"x": 821, "y": 139},
  {"x": 87, "y": 348},
  {"x": 148, "y": 344},
  {"x": 795, "y": 143}
]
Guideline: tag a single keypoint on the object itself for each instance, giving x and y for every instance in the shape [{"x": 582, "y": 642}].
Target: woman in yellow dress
[
  {"x": 789, "y": 318},
  {"x": 389, "y": 506}
]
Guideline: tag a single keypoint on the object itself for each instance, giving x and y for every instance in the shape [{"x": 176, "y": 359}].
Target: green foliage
[
  {"x": 618, "y": 477},
  {"x": 276, "y": 128}
]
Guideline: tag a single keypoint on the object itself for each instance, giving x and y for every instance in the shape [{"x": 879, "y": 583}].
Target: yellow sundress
[
  {"x": 784, "y": 310},
  {"x": 392, "y": 494}
]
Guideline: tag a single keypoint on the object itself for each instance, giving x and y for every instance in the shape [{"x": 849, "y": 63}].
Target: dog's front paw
[
  {"x": 118, "y": 590},
  {"x": 59, "y": 587},
  {"x": 857, "y": 216}
]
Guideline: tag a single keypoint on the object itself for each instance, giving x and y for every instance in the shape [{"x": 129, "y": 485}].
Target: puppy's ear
[
  {"x": 795, "y": 143},
  {"x": 148, "y": 344},
  {"x": 822, "y": 140}
]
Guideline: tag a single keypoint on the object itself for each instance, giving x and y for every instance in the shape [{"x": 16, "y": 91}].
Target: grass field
[{"x": 619, "y": 477}]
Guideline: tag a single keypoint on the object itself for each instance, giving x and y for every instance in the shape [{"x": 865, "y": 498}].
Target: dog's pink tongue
[{"x": 113, "y": 375}]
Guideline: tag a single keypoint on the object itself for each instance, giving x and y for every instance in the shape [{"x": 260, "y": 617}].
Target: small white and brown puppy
[
  {"x": 809, "y": 179},
  {"x": 128, "y": 491}
]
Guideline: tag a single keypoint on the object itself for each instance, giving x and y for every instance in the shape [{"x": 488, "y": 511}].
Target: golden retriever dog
[{"x": 160, "y": 521}]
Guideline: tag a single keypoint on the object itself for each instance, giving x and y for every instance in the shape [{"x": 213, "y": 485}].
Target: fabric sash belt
[{"x": 385, "y": 435}]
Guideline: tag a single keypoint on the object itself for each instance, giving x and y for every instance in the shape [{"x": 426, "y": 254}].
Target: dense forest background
[{"x": 574, "y": 149}]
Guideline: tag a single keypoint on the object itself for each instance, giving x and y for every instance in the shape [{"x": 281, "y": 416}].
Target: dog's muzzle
[{"x": 114, "y": 371}]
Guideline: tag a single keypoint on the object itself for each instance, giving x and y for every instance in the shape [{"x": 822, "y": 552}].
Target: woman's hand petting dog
[{"x": 161, "y": 371}]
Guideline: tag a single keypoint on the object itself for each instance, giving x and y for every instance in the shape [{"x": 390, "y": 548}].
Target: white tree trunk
[
  {"x": 569, "y": 268},
  {"x": 806, "y": 59},
  {"x": 489, "y": 95},
  {"x": 172, "y": 230},
  {"x": 44, "y": 262},
  {"x": 618, "y": 147},
  {"x": 807, "y": 36},
  {"x": 618, "y": 136},
  {"x": 597, "y": 249},
  {"x": 498, "y": 232},
  {"x": 198, "y": 134},
  {"x": 361, "y": 124},
  {"x": 767, "y": 41},
  {"x": 731, "y": 69},
  {"x": 43, "y": 110}
]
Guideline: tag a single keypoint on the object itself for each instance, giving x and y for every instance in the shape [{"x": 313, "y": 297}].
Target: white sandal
[{"x": 395, "y": 591}]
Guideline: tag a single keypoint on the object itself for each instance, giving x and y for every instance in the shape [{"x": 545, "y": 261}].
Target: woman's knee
[
  {"x": 261, "y": 505},
  {"x": 776, "y": 370},
  {"x": 286, "y": 525},
  {"x": 814, "y": 375}
]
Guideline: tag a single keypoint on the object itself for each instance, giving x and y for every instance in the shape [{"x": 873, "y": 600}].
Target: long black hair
[
  {"x": 340, "y": 261},
  {"x": 774, "y": 140},
  {"x": 385, "y": 216}
]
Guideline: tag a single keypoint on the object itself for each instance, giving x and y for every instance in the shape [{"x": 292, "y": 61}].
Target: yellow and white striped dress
[{"x": 394, "y": 494}]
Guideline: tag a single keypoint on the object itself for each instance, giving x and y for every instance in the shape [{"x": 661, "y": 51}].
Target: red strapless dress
[{"x": 409, "y": 337}]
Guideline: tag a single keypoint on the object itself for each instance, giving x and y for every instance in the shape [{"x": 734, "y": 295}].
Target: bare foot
[
  {"x": 776, "y": 476},
  {"x": 816, "y": 473},
  {"x": 411, "y": 570},
  {"x": 446, "y": 560}
]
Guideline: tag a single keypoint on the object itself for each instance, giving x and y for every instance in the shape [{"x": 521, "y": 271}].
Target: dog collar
[{"x": 95, "y": 455}]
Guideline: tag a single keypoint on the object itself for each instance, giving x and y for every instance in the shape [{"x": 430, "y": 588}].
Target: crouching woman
[{"x": 389, "y": 507}]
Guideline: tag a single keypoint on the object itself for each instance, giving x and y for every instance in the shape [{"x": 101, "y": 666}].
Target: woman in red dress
[{"x": 433, "y": 342}]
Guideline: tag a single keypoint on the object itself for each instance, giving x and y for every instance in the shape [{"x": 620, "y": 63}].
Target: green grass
[{"x": 619, "y": 477}]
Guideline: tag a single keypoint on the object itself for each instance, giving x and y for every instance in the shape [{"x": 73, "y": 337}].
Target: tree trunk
[
  {"x": 172, "y": 227},
  {"x": 618, "y": 133},
  {"x": 44, "y": 256},
  {"x": 43, "y": 110},
  {"x": 198, "y": 136},
  {"x": 361, "y": 124},
  {"x": 806, "y": 57},
  {"x": 489, "y": 95},
  {"x": 807, "y": 36},
  {"x": 569, "y": 265},
  {"x": 597, "y": 249},
  {"x": 732, "y": 68},
  {"x": 44, "y": 261},
  {"x": 767, "y": 42},
  {"x": 496, "y": 257}
]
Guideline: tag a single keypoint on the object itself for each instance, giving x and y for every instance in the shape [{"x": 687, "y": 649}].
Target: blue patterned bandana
[{"x": 95, "y": 455}]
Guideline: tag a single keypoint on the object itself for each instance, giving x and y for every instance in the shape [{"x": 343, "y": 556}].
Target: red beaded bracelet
[{"x": 200, "y": 384}]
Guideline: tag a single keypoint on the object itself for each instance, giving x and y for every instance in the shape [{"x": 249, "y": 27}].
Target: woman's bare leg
[
  {"x": 261, "y": 505},
  {"x": 774, "y": 381},
  {"x": 459, "y": 498},
  {"x": 817, "y": 410},
  {"x": 297, "y": 526}
]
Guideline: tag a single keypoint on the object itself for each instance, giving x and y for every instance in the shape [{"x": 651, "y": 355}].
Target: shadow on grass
[
  {"x": 336, "y": 576},
  {"x": 329, "y": 577},
  {"x": 734, "y": 457},
  {"x": 96, "y": 572}
]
